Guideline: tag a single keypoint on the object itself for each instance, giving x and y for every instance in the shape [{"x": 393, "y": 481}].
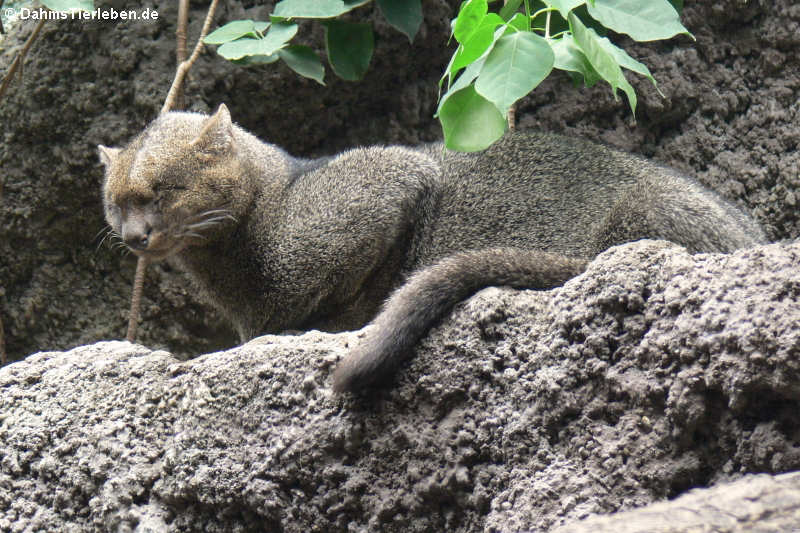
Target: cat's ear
[
  {"x": 107, "y": 155},
  {"x": 216, "y": 136}
]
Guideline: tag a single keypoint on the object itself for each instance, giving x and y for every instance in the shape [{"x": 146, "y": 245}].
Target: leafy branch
[
  {"x": 349, "y": 45},
  {"x": 500, "y": 57},
  {"x": 181, "y": 51},
  {"x": 183, "y": 67}
]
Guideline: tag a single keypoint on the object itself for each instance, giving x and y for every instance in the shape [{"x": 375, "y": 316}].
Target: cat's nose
[{"x": 136, "y": 235}]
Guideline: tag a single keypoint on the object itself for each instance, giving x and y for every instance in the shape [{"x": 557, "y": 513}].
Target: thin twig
[
  {"x": 136, "y": 298},
  {"x": 511, "y": 115},
  {"x": 3, "y": 357},
  {"x": 17, "y": 63},
  {"x": 169, "y": 102},
  {"x": 181, "y": 52},
  {"x": 184, "y": 67}
]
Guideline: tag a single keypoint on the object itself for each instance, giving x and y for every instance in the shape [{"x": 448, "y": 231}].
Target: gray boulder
[
  {"x": 760, "y": 502},
  {"x": 652, "y": 373}
]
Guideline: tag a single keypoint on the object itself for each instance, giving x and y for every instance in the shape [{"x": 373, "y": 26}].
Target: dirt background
[{"x": 731, "y": 117}]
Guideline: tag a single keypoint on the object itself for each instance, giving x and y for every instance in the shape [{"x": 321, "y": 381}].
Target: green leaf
[
  {"x": 466, "y": 78},
  {"x": 520, "y": 22},
  {"x": 643, "y": 21},
  {"x": 232, "y": 31},
  {"x": 448, "y": 75},
  {"x": 565, "y": 6},
  {"x": 559, "y": 24},
  {"x": 349, "y": 48},
  {"x": 315, "y": 9},
  {"x": 476, "y": 43},
  {"x": 242, "y": 48},
  {"x": 251, "y": 61},
  {"x": 261, "y": 26},
  {"x": 470, "y": 122},
  {"x": 68, "y": 5},
  {"x": 469, "y": 18},
  {"x": 568, "y": 56},
  {"x": 628, "y": 62},
  {"x": 509, "y": 8},
  {"x": 603, "y": 62},
  {"x": 678, "y": 5},
  {"x": 304, "y": 61},
  {"x": 276, "y": 38},
  {"x": 515, "y": 66},
  {"x": 278, "y": 35},
  {"x": 404, "y": 15}
]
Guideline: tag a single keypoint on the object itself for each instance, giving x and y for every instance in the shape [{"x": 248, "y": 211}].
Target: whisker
[
  {"x": 219, "y": 216},
  {"x": 206, "y": 223},
  {"x": 203, "y": 224},
  {"x": 206, "y": 214},
  {"x": 193, "y": 225},
  {"x": 105, "y": 232},
  {"x": 107, "y": 229},
  {"x": 99, "y": 244}
]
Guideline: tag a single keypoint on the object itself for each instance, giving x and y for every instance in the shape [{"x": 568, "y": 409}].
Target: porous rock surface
[
  {"x": 760, "y": 503},
  {"x": 652, "y": 373}
]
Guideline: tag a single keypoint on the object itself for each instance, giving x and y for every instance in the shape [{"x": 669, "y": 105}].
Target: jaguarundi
[{"x": 276, "y": 242}]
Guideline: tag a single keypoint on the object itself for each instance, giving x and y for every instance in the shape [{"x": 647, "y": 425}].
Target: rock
[
  {"x": 652, "y": 373},
  {"x": 754, "y": 503}
]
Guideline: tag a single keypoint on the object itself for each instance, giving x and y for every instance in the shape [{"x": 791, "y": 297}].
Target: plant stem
[
  {"x": 184, "y": 67},
  {"x": 547, "y": 26},
  {"x": 3, "y": 357},
  {"x": 181, "y": 52},
  {"x": 17, "y": 63},
  {"x": 528, "y": 14},
  {"x": 136, "y": 298},
  {"x": 543, "y": 10},
  {"x": 511, "y": 115},
  {"x": 175, "y": 89}
]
